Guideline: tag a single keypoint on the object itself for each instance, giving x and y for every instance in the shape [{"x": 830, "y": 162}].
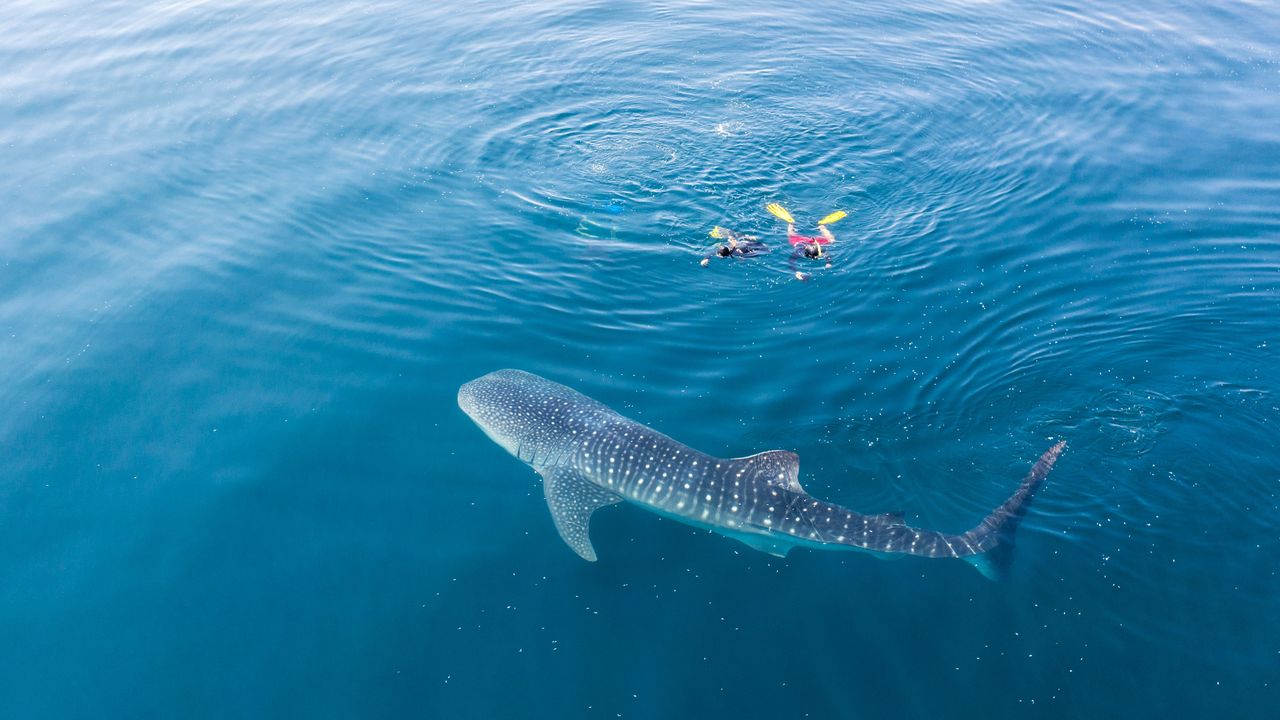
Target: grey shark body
[{"x": 590, "y": 457}]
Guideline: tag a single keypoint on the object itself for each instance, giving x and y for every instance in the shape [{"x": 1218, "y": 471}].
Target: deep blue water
[{"x": 249, "y": 251}]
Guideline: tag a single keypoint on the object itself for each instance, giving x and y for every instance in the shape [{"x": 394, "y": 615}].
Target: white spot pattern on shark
[{"x": 590, "y": 456}]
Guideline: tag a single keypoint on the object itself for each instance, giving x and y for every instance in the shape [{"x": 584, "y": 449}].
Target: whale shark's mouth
[{"x": 467, "y": 400}]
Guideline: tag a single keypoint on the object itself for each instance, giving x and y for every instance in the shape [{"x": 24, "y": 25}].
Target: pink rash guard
[{"x": 807, "y": 240}]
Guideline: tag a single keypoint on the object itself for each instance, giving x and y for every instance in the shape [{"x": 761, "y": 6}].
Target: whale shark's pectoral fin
[
  {"x": 572, "y": 498},
  {"x": 764, "y": 544},
  {"x": 777, "y": 467}
]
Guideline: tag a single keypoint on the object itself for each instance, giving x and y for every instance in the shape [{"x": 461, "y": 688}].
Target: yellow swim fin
[
  {"x": 717, "y": 232},
  {"x": 780, "y": 212},
  {"x": 836, "y": 216}
]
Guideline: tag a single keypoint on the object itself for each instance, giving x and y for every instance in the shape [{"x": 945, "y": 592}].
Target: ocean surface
[{"x": 250, "y": 250}]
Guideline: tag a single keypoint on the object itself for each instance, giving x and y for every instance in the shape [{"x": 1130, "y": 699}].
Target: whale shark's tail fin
[{"x": 992, "y": 539}]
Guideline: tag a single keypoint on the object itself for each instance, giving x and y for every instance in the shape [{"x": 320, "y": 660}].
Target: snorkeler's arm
[{"x": 796, "y": 253}]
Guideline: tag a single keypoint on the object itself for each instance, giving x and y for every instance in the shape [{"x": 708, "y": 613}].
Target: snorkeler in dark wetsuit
[{"x": 734, "y": 245}]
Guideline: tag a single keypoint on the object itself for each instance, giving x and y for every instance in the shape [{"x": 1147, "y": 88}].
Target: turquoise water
[{"x": 249, "y": 251}]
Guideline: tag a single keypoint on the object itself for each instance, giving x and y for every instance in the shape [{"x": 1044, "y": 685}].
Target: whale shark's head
[
  {"x": 494, "y": 403},
  {"x": 531, "y": 417}
]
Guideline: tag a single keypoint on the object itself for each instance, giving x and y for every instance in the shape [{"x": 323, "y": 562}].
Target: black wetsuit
[{"x": 740, "y": 249}]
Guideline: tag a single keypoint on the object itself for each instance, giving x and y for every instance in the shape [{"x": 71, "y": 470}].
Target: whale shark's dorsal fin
[
  {"x": 896, "y": 517},
  {"x": 777, "y": 467},
  {"x": 571, "y": 499}
]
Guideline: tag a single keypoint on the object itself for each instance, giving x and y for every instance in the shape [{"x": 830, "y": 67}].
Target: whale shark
[{"x": 591, "y": 457}]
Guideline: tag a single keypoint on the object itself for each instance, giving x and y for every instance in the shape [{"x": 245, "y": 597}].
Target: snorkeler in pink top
[{"x": 812, "y": 247}]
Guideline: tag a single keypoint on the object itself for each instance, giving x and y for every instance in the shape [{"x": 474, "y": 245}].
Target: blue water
[{"x": 249, "y": 251}]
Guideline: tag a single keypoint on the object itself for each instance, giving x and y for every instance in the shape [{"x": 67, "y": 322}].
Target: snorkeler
[
  {"x": 807, "y": 246},
  {"x": 734, "y": 245}
]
